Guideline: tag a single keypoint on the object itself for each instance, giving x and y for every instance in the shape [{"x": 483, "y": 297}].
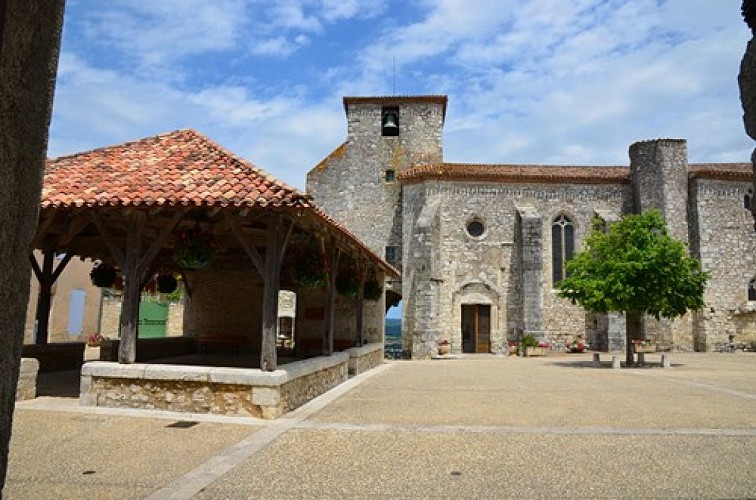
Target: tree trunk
[
  {"x": 634, "y": 329},
  {"x": 29, "y": 44}
]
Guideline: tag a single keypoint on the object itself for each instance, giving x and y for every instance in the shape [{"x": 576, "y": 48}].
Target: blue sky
[{"x": 529, "y": 81}]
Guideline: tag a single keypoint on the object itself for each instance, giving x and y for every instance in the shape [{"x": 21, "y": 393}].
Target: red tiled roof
[
  {"x": 177, "y": 168},
  {"x": 517, "y": 173},
  {"x": 722, "y": 171}
]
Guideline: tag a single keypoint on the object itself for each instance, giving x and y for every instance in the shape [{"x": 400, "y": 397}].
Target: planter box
[
  {"x": 535, "y": 351},
  {"x": 444, "y": 350},
  {"x": 644, "y": 348}
]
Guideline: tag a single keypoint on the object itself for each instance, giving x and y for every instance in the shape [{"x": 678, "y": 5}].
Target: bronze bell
[{"x": 390, "y": 124}]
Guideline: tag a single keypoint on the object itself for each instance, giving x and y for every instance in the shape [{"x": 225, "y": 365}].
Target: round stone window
[{"x": 475, "y": 228}]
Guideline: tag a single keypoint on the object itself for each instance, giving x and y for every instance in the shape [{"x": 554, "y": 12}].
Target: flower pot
[
  {"x": 444, "y": 349},
  {"x": 638, "y": 348},
  {"x": 535, "y": 351}
]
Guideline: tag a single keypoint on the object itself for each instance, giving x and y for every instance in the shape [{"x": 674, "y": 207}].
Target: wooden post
[
  {"x": 333, "y": 262},
  {"x": 46, "y": 277},
  {"x": 132, "y": 281},
  {"x": 359, "y": 311},
  {"x": 274, "y": 251},
  {"x": 134, "y": 265}
]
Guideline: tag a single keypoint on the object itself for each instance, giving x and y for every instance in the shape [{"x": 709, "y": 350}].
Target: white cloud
[{"x": 553, "y": 81}]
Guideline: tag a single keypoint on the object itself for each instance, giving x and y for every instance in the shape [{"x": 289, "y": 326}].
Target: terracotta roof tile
[
  {"x": 517, "y": 173},
  {"x": 722, "y": 171},
  {"x": 547, "y": 174},
  {"x": 177, "y": 168}
]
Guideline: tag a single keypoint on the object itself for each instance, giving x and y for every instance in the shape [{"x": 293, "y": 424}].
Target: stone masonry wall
[
  {"x": 226, "y": 391},
  {"x": 351, "y": 183},
  {"x": 726, "y": 245},
  {"x": 27, "y": 379},
  {"x": 458, "y": 261}
]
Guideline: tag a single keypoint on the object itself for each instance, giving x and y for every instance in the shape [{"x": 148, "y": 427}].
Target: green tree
[{"x": 635, "y": 267}]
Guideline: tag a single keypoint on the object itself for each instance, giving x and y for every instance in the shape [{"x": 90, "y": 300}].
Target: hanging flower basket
[
  {"x": 103, "y": 275},
  {"x": 194, "y": 249},
  {"x": 373, "y": 290},
  {"x": 166, "y": 283},
  {"x": 347, "y": 284},
  {"x": 310, "y": 270}
]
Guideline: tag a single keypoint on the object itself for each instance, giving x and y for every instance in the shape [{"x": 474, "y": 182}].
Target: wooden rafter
[{"x": 250, "y": 250}]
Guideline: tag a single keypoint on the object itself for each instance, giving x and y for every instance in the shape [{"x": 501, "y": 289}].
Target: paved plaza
[{"x": 477, "y": 427}]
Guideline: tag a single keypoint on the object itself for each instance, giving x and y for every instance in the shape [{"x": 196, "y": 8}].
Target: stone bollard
[
  {"x": 596, "y": 359},
  {"x": 27, "y": 379},
  {"x": 666, "y": 362},
  {"x": 615, "y": 362}
]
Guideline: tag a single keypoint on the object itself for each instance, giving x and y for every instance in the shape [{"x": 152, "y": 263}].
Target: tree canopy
[{"x": 635, "y": 266}]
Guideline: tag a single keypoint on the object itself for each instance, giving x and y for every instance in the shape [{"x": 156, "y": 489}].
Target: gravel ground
[{"x": 480, "y": 427}]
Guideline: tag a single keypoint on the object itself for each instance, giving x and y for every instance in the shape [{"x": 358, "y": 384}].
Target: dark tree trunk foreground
[{"x": 29, "y": 44}]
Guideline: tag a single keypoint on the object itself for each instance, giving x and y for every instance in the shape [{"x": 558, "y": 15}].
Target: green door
[{"x": 153, "y": 318}]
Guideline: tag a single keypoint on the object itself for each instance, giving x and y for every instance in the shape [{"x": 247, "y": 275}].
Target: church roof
[
  {"x": 176, "y": 168},
  {"x": 545, "y": 174},
  {"x": 552, "y": 174},
  {"x": 722, "y": 171}
]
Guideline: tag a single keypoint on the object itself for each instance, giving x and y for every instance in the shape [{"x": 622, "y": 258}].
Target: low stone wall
[
  {"x": 147, "y": 349},
  {"x": 27, "y": 379},
  {"x": 57, "y": 356},
  {"x": 367, "y": 357},
  {"x": 203, "y": 389}
]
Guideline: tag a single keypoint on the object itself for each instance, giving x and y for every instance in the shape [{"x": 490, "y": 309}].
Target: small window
[
  {"x": 748, "y": 199},
  {"x": 390, "y": 175},
  {"x": 752, "y": 290},
  {"x": 390, "y": 121},
  {"x": 391, "y": 254},
  {"x": 475, "y": 228}
]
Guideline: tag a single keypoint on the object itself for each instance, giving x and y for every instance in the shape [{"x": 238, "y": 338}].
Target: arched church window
[
  {"x": 562, "y": 246},
  {"x": 752, "y": 290}
]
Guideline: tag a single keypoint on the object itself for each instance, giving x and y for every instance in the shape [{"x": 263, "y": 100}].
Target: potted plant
[
  {"x": 444, "y": 348},
  {"x": 643, "y": 346},
  {"x": 103, "y": 275},
  {"x": 533, "y": 347},
  {"x": 577, "y": 345},
  {"x": 309, "y": 269},
  {"x": 194, "y": 249},
  {"x": 95, "y": 340}
]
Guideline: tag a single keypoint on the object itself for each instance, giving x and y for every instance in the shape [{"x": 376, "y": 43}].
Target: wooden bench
[{"x": 233, "y": 342}]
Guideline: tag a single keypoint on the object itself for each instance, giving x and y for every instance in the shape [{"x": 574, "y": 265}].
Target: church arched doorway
[{"x": 476, "y": 328}]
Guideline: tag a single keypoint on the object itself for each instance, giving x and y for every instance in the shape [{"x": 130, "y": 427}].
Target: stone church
[{"x": 482, "y": 247}]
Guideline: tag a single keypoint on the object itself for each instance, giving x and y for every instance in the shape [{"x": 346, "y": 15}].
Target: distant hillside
[{"x": 393, "y": 327}]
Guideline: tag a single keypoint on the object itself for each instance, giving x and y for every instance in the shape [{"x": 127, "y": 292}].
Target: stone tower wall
[
  {"x": 659, "y": 178},
  {"x": 725, "y": 243},
  {"x": 351, "y": 184}
]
